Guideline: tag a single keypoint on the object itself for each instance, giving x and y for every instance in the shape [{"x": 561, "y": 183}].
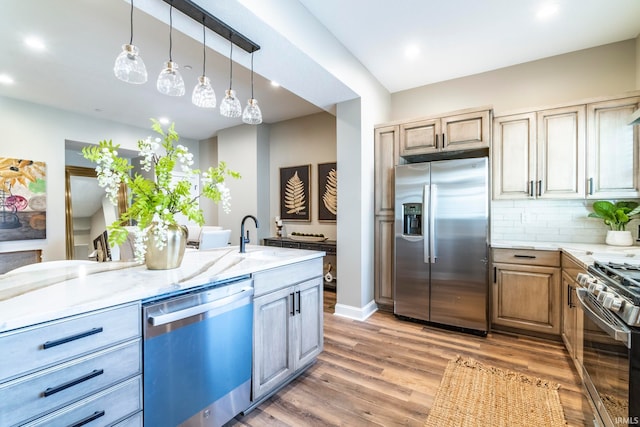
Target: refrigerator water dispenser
[{"x": 412, "y": 214}]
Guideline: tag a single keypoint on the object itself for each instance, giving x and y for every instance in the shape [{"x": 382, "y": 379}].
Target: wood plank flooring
[{"x": 385, "y": 372}]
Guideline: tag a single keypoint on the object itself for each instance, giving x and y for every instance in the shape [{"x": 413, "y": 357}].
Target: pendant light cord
[
  {"x": 131, "y": 23},
  {"x": 170, "y": 30},
  {"x": 204, "y": 46},
  {"x": 230, "y": 63},
  {"x": 252, "y": 75}
]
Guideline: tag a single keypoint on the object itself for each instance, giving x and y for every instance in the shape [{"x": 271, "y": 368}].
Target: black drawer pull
[
  {"x": 299, "y": 302},
  {"x": 65, "y": 340},
  {"x": 53, "y": 390},
  {"x": 525, "y": 256},
  {"x": 88, "y": 419},
  {"x": 293, "y": 303}
]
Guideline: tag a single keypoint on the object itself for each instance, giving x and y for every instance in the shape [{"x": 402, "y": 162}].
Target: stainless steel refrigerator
[{"x": 441, "y": 242}]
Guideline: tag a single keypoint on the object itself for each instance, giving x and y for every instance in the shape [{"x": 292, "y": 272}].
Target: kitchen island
[{"x": 74, "y": 336}]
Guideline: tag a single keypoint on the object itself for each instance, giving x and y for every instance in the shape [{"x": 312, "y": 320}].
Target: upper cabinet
[
  {"x": 540, "y": 154},
  {"x": 385, "y": 155},
  {"x": 465, "y": 131},
  {"x": 612, "y": 149},
  {"x": 575, "y": 152}
]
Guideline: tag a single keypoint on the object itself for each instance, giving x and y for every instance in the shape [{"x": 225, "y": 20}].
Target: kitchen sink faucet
[{"x": 244, "y": 239}]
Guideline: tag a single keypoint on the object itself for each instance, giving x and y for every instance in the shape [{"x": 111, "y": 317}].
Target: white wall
[
  {"x": 208, "y": 150},
  {"x": 239, "y": 148},
  {"x": 36, "y": 132},
  {"x": 306, "y": 140},
  {"x": 638, "y": 62},
  {"x": 604, "y": 70}
]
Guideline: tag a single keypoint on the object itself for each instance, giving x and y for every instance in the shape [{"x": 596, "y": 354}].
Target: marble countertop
[
  {"x": 43, "y": 294},
  {"x": 586, "y": 253}
]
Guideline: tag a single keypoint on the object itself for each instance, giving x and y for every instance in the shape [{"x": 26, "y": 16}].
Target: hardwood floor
[{"x": 385, "y": 372}]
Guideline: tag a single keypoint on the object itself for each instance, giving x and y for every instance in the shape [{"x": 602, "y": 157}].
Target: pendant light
[
  {"x": 203, "y": 94},
  {"x": 170, "y": 81},
  {"x": 129, "y": 66},
  {"x": 252, "y": 114},
  {"x": 230, "y": 105}
]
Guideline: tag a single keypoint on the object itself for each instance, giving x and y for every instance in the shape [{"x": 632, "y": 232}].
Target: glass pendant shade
[
  {"x": 252, "y": 114},
  {"x": 203, "y": 94},
  {"x": 230, "y": 105},
  {"x": 170, "y": 81},
  {"x": 129, "y": 66}
]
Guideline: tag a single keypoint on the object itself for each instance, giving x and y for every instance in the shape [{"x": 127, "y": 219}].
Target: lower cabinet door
[
  {"x": 526, "y": 298},
  {"x": 308, "y": 338},
  {"x": 272, "y": 319},
  {"x": 110, "y": 406}
]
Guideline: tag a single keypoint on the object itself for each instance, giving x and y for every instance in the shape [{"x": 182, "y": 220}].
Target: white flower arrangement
[{"x": 153, "y": 203}]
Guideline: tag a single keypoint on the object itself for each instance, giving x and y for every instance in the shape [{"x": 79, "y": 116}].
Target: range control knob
[
  {"x": 583, "y": 278},
  {"x": 604, "y": 295},
  {"x": 612, "y": 302},
  {"x": 597, "y": 288}
]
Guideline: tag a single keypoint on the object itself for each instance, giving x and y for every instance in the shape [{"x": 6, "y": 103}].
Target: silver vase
[{"x": 170, "y": 256}]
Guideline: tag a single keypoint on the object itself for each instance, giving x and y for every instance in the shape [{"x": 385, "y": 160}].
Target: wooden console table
[{"x": 328, "y": 246}]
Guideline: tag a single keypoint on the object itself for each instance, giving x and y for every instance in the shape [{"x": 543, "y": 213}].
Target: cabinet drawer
[
  {"x": 278, "y": 278},
  {"x": 132, "y": 421},
  {"x": 41, "y": 346},
  {"x": 105, "y": 408},
  {"x": 51, "y": 389},
  {"x": 527, "y": 257}
]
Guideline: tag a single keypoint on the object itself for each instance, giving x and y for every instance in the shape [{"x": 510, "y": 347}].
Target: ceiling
[{"x": 454, "y": 38}]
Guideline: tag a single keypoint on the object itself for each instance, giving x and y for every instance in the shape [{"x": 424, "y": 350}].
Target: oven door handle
[
  {"x": 617, "y": 332},
  {"x": 163, "y": 319}
]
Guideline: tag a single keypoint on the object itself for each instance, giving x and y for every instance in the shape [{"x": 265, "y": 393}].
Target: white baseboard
[{"x": 356, "y": 313}]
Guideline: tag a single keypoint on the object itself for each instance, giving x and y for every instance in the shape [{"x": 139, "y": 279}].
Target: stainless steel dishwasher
[{"x": 197, "y": 356}]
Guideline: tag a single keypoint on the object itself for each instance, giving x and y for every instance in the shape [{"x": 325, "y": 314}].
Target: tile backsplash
[{"x": 549, "y": 221}]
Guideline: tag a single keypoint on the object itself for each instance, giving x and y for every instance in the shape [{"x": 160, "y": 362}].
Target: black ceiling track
[{"x": 196, "y": 13}]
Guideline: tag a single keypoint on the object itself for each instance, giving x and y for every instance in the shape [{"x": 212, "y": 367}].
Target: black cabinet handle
[
  {"x": 495, "y": 274},
  {"x": 444, "y": 141},
  {"x": 299, "y": 302},
  {"x": 53, "y": 390},
  {"x": 88, "y": 419},
  {"x": 65, "y": 340},
  {"x": 591, "y": 186},
  {"x": 293, "y": 304},
  {"x": 436, "y": 141},
  {"x": 525, "y": 256},
  {"x": 539, "y": 188},
  {"x": 531, "y": 188}
]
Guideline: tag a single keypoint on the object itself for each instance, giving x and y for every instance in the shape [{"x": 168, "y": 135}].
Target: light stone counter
[
  {"x": 585, "y": 253},
  {"x": 40, "y": 295}
]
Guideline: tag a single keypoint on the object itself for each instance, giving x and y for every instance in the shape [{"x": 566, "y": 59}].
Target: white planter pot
[{"x": 619, "y": 238}]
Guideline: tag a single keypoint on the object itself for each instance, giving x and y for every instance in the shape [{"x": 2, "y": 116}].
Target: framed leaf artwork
[
  {"x": 295, "y": 193},
  {"x": 327, "y": 192}
]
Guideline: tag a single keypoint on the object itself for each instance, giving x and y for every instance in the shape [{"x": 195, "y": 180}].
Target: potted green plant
[
  {"x": 616, "y": 216},
  {"x": 155, "y": 202}
]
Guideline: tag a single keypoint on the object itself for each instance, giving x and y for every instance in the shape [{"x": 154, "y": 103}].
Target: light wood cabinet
[
  {"x": 66, "y": 371},
  {"x": 288, "y": 326},
  {"x": 572, "y": 321},
  {"x": 386, "y": 157},
  {"x": 540, "y": 154},
  {"x": 525, "y": 291},
  {"x": 613, "y": 149},
  {"x": 386, "y": 145},
  {"x": 464, "y": 131},
  {"x": 384, "y": 265}
]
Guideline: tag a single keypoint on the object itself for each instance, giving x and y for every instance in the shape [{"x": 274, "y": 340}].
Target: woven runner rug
[{"x": 473, "y": 394}]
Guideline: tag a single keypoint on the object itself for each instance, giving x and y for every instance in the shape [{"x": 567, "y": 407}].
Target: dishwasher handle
[{"x": 163, "y": 319}]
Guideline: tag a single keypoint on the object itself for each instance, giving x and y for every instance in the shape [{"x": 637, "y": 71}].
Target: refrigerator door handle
[
  {"x": 432, "y": 223},
  {"x": 426, "y": 195}
]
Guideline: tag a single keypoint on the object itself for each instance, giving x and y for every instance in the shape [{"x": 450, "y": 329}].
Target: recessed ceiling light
[
  {"x": 6, "y": 79},
  {"x": 275, "y": 84},
  {"x": 164, "y": 120},
  {"x": 35, "y": 43},
  {"x": 547, "y": 10},
  {"x": 412, "y": 51}
]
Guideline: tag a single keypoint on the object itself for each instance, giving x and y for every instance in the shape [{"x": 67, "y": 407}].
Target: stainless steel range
[{"x": 610, "y": 299}]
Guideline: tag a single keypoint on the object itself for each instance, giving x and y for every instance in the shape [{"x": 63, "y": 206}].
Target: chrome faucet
[{"x": 243, "y": 239}]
